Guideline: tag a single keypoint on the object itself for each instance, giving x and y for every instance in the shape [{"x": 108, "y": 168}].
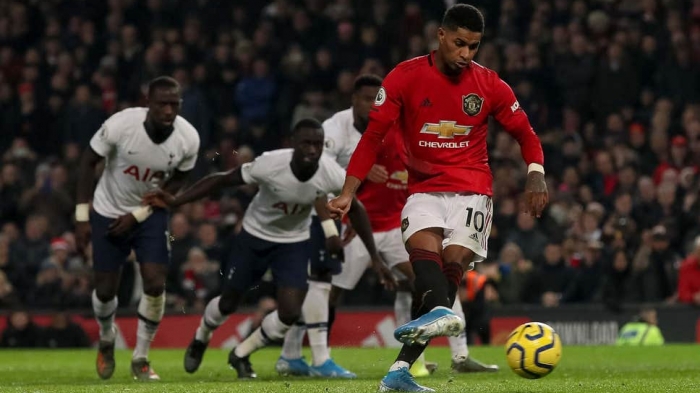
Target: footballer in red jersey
[{"x": 441, "y": 102}]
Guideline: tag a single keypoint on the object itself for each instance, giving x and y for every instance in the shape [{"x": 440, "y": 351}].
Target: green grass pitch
[{"x": 582, "y": 369}]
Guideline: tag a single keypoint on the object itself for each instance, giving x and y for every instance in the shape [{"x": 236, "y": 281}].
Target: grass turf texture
[{"x": 582, "y": 369}]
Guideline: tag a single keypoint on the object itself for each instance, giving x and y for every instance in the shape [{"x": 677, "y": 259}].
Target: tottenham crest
[
  {"x": 471, "y": 104},
  {"x": 404, "y": 224}
]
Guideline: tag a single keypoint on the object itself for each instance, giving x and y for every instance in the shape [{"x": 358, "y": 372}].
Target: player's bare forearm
[
  {"x": 208, "y": 185},
  {"x": 176, "y": 182},
  {"x": 360, "y": 222},
  {"x": 351, "y": 185},
  {"x": 86, "y": 175},
  {"x": 320, "y": 206}
]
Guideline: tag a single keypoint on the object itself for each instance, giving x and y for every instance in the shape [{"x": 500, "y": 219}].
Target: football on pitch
[{"x": 533, "y": 350}]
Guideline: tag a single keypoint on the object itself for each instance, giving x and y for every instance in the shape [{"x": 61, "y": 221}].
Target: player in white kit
[
  {"x": 384, "y": 197},
  {"x": 275, "y": 235},
  {"x": 143, "y": 148}
]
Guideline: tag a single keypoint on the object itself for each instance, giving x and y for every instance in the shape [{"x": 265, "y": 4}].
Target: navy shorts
[
  {"x": 321, "y": 261},
  {"x": 150, "y": 240},
  {"x": 251, "y": 256}
]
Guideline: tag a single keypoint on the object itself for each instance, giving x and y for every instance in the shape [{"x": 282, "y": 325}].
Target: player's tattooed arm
[
  {"x": 204, "y": 187},
  {"x": 340, "y": 205},
  {"x": 360, "y": 221}
]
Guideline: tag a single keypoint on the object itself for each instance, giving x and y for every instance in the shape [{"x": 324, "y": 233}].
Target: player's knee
[
  {"x": 289, "y": 317},
  {"x": 105, "y": 287},
  {"x": 104, "y": 294},
  {"x": 458, "y": 254},
  {"x": 153, "y": 287},
  {"x": 227, "y": 304},
  {"x": 321, "y": 276}
]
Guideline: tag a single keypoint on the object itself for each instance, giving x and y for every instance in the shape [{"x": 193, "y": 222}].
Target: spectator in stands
[
  {"x": 8, "y": 296},
  {"x": 547, "y": 284},
  {"x": 64, "y": 333},
  {"x": 586, "y": 283},
  {"x": 689, "y": 277},
  {"x": 616, "y": 284},
  {"x": 614, "y": 103},
  {"x": 20, "y": 332},
  {"x": 528, "y": 237},
  {"x": 200, "y": 279},
  {"x": 655, "y": 267}
]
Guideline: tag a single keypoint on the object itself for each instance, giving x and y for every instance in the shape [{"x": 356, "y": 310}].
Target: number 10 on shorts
[{"x": 478, "y": 219}]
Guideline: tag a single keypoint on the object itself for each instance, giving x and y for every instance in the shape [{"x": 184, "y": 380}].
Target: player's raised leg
[
  {"x": 466, "y": 244},
  {"x": 424, "y": 242},
  {"x": 243, "y": 267},
  {"x": 288, "y": 263},
  {"x": 430, "y": 302}
]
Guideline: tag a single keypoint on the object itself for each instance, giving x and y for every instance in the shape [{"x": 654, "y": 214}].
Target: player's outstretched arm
[
  {"x": 204, "y": 187},
  {"x": 176, "y": 181},
  {"x": 360, "y": 221}
]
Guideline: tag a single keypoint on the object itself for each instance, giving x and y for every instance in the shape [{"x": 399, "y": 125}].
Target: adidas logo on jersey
[
  {"x": 474, "y": 237},
  {"x": 426, "y": 103}
]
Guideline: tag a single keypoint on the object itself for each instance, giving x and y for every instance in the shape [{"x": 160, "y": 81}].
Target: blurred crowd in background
[{"x": 611, "y": 87}]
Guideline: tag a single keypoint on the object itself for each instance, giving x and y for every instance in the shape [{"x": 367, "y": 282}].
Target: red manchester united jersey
[
  {"x": 444, "y": 123},
  {"x": 384, "y": 201}
]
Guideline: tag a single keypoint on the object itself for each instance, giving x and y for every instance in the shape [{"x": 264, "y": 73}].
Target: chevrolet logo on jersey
[
  {"x": 445, "y": 129},
  {"x": 401, "y": 176}
]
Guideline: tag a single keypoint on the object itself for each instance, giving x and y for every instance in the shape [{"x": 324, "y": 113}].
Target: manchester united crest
[
  {"x": 471, "y": 104},
  {"x": 404, "y": 224}
]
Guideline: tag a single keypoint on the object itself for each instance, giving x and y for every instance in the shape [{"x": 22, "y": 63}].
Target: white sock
[
  {"x": 293, "y": 340},
  {"x": 211, "y": 320},
  {"x": 271, "y": 329},
  {"x": 315, "y": 313},
  {"x": 402, "y": 307},
  {"x": 458, "y": 345},
  {"x": 150, "y": 312},
  {"x": 398, "y": 364},
  {"x": 104, "y": 314}
]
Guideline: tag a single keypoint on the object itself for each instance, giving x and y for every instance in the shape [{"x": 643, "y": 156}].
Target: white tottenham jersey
[
  {"x": 134, "y": 164},
  {"x": 281, "y": 210},
  {"x": 341, "y": 137}
]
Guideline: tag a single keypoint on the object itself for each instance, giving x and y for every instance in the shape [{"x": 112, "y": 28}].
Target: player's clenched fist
[
  {"x": 159, "y": 198},
  {"x": 339, "y": 206},
  {"x": 536, "y": 196}
]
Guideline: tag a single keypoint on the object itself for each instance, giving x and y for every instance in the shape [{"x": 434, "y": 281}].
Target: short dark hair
[
  {"x": 367, "y": 80},
  {"x": 162, "y": 82},
  {"x": 465, "y": 16},
  {"x": 306, "y": 123}
]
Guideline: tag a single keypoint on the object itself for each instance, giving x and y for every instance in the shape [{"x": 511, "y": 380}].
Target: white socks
[
  {"x": 150, "y": 312},
  {"x": 315, "y": 313},
  {"x": 458, "y": 345},
  {"x": 398, "y": 365},
  {"x": 211, "y": 320},
  {"x": 402, "y": 307},
  {"x": 104, "y": 314},
  {"x": 293, "y": 340},
  {"x": 271, "y": 329}
]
